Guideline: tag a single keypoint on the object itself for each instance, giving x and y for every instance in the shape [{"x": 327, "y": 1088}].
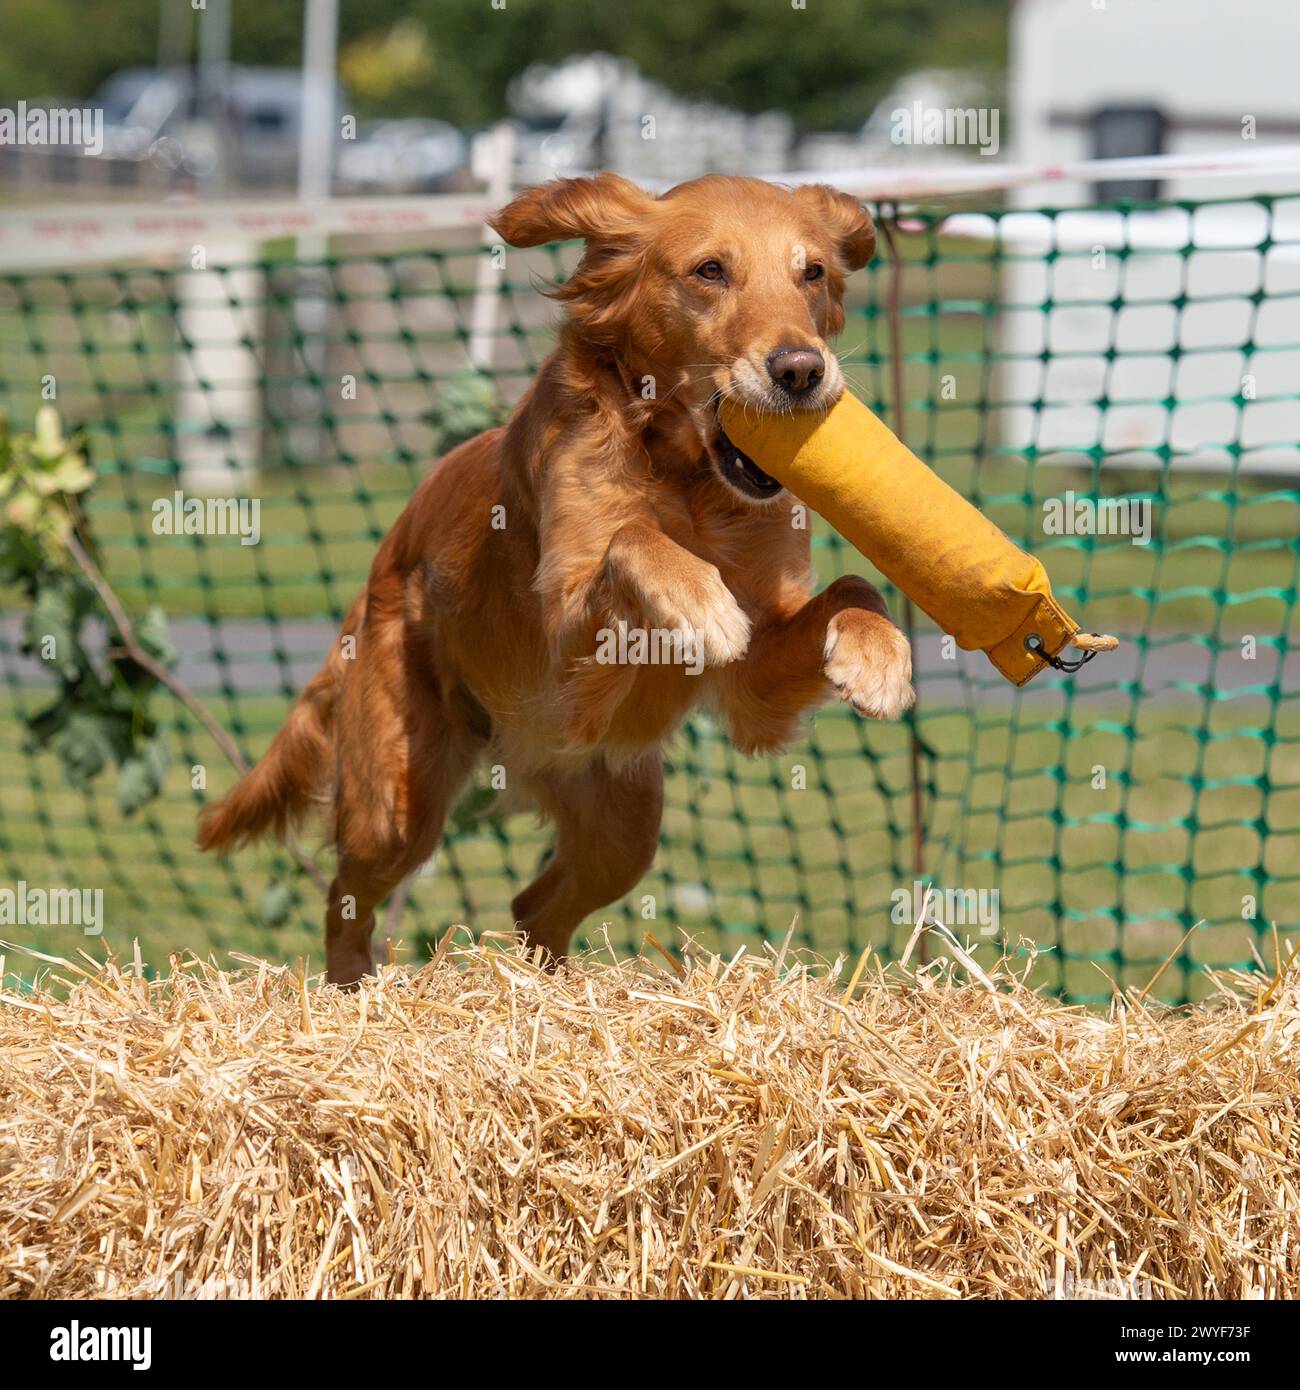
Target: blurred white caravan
[
  {"x": 1101, "y": 79},
  {"x": 1175, "y": 328}
]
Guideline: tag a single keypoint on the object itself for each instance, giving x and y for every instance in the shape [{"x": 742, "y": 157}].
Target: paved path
[{"x": 266, "y": 658}]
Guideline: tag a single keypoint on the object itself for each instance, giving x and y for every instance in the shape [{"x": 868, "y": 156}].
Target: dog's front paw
[
  {"x": 703, "y": 607},
  {"x": 869, "y": 662}
]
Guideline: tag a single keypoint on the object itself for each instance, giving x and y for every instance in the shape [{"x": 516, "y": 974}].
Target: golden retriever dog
[{"x": 611, "y": 505}]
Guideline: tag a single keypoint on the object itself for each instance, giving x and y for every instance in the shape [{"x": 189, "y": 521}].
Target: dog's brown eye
[
  {"x": 814, "y": 272},
  {"x": 709, "y": 270}
]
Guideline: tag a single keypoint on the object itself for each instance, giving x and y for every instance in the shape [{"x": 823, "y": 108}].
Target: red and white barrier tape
[
  {"x": 72, "y": 233},
  {"x": 68, "y": 233}
]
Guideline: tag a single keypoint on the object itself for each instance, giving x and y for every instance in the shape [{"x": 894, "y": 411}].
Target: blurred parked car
[
  {"x": 553, "y": 146},
  {"x": 408, "y": 156},
  {"x": 252, "y": 125},
  {"x": 596, "y": 111}
]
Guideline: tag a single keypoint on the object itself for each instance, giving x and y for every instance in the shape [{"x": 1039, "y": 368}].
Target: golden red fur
[{"x": 621, "y": 502}]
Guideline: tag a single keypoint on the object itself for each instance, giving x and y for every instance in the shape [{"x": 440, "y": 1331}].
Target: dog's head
[{"x": 722, "y": 287}]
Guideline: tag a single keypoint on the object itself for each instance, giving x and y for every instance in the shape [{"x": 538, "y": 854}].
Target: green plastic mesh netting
[{"x": 1147, "y": 355}]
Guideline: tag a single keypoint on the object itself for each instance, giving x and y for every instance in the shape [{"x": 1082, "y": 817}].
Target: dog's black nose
[{"x": 797, "y": 369}]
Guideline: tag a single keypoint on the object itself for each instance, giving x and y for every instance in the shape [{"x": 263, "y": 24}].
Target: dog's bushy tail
[{"x": 294, "y": 772}]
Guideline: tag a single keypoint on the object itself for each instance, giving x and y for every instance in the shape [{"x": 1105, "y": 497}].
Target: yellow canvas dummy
[{"x": 927, "y": 539}]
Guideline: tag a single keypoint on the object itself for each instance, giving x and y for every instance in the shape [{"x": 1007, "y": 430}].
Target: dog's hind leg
[
  {"x": 606, "y": 833},
  {"x": 405, "y": 749},
  {"x": 389, "y": 822}
]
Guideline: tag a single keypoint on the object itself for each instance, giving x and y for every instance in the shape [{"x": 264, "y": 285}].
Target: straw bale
[{"x": 759, "y": 1127}]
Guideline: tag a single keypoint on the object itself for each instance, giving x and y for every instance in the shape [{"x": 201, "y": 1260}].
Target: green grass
[
  {"x": 1107, "y": 879},
  {"x": 1202, "y": 803}
]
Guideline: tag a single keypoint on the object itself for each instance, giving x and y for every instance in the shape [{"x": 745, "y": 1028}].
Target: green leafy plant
[
  {"x": 467, "y": 404},
  {"x": 100, "y": 717}
]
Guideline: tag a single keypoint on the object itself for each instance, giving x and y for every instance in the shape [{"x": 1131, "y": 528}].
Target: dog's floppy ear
[
  {"x": 846, "y": 220},
  {"x": 604, "y": 208}
]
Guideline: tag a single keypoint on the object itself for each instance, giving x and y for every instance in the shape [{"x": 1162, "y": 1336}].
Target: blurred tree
[
  {"x": 380, "y": 69},
  {"x": 826, "y": 62},
  {"x": 66, "y": 48}
]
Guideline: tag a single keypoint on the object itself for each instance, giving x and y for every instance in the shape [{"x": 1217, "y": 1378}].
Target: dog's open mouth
[{"x": 742, "y": 472}]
